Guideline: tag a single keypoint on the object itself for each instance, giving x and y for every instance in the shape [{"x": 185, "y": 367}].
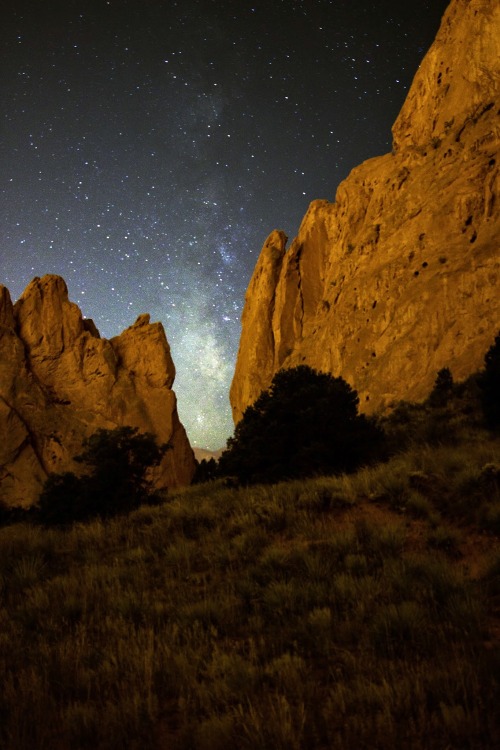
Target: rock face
[
  {"x": 400, "y": 276},
  {"x": 60, "y": 382}
]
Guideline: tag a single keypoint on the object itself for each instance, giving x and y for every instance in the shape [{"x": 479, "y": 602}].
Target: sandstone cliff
[
  {"x": 60, "y": 382},
  {"x": 400, "y": 276}
]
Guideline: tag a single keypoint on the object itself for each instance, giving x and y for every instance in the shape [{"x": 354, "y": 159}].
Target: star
[{"x": 148, "y": 149}]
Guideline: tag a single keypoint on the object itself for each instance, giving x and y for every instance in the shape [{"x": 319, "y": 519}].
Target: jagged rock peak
[
  {"x": 142, "y": 320},
  {"x": 458, "y": 78},
  {"x": 60, "y": 382},
  {"x": 398, "y": 277},
  {"x": 46, "y": 319},
  {"x": 144, "y": 350},
  {"x": 6, "y": 308}
]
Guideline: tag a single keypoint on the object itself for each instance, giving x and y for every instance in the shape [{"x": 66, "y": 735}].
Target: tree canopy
[
  {"x": 116, "y": 481},
  {"x": 443, "y": 388},
  {"x": 306, "y": 424}
]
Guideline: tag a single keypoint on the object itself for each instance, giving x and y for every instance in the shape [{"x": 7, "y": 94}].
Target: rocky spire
[
  {"x": 60, "y": 382},
  {"x": 398, "y": 277}
]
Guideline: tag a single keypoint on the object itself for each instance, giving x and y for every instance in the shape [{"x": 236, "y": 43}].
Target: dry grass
[{"x": 341, "y": 612}]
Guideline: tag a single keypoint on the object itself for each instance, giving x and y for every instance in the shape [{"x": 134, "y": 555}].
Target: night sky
[{"x": 149, "y": 147}]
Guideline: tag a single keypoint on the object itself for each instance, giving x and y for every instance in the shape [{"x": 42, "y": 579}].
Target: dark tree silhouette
[
  {"x": 489, "y": 385},
  {"x": 306, "y": 424},
  {"x": 443, "y": 388},
  {"x": 206, "y": 470},
  {"x": 118, "y": 461}
]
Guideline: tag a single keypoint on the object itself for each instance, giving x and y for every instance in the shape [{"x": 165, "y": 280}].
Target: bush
[
  {"x": 306, "y": 424},
  {"x": 443, "y": 388},
  {"x": 206, "y": 471},
  {"x": 116, "y": 483}
]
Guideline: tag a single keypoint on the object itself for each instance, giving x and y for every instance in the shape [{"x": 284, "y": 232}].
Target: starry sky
[{"x": 148, "y": 148}]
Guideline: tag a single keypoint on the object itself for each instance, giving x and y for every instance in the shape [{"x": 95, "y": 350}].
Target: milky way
[{"x": 148, "y": 149}]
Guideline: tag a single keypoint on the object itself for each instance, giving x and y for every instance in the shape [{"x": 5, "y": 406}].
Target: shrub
[
  {"x": 118, "y": 461},
  {"x": 306, "y": 424},
  {"x": 206, "y": 471},
  {"x": 445, "y": 539},
  {"x": 443, "y": 388}
]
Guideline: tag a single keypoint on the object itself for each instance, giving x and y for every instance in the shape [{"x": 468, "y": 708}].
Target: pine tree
[{"x": 306, "y": 424}]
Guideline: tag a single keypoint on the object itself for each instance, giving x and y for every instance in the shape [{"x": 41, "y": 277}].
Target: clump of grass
[
  {"x": 399, "y": 629},
  {"x": 419, "y": 506},
  {"x": 446, "y": 539}
]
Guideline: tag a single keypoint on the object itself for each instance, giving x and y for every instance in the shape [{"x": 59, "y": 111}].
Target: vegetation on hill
[
  {"x": 306, "y": 424},
  {"x": 353, "y": 611},
  {"x": 350, "y": 611},
  {"x": 117, "y": 463},
  {"x": 341, "y": 612}
]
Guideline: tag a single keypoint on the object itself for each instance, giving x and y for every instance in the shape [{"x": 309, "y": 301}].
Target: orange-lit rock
[
  {"x": 398, "y": 277},
  {"x": 60, "y": 382}
]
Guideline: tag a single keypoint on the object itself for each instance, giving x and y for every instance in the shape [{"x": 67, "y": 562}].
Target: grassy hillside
[{"x": 349, "y": 612}]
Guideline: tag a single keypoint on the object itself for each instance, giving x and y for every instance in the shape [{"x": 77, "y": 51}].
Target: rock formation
[
  {"x": 400, "y": 276},
  {"x": 60, "y": 382}
]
